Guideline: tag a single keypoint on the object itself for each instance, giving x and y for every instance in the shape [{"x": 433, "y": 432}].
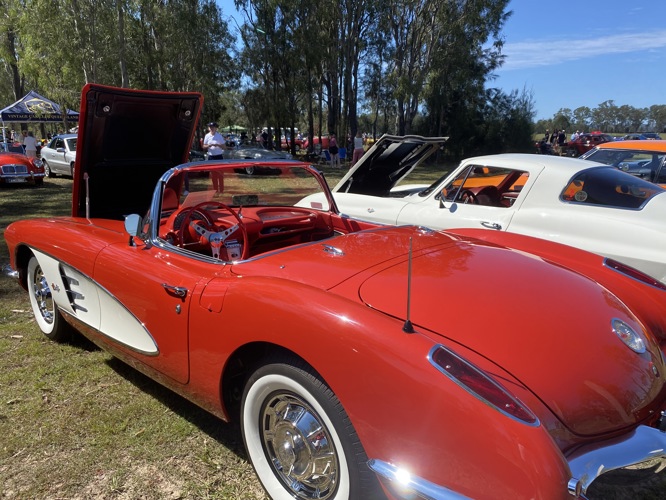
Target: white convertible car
[{"x": 575, "y": 202}]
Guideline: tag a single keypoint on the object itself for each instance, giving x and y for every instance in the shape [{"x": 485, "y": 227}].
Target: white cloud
[{"x": 524, "y": 55}]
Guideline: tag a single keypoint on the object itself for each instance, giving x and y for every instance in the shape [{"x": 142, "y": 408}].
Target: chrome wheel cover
[
  {"x": 43, "y": 297},
  {"x": 299, "y": 447}
]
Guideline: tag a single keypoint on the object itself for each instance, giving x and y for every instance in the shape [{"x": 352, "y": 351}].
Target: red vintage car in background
[
  {"x": 585, "y": 142},
  {"x": 317, "y": 145},
  {"x": 17, "y": 168},
  {"x": 286, "y": 142},
  {"x": 361, "y": 361}
]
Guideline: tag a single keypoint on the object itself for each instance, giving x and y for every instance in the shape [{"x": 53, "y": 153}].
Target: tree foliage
[
  {"x": 57, "y": 46},
  {"x": 320, "y": 66},
  {"x": 607, "y": 117}
]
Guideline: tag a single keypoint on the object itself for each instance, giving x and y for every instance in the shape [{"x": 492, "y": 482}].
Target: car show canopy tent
[{"x": 35, "y": 108}]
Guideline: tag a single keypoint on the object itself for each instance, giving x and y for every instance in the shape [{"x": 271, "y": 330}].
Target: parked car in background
[
  {"x": 585, "y": 142},
  {"x": 644, "y": 159},
  {"x": 653, "y": 136},
  {"x": 286, "y": 142},
  {"x": 576, "y": 202},
  {"x": 256, "y": 153},
  {"x": 360, "y": 361},
  {"x": 317, "y": 146},
  {"x": 59, "y": 155},
  {"x": 633, "y": 137},
  {"x": 17, "y": 168}
]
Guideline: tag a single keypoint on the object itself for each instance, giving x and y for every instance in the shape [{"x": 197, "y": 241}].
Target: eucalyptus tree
[
  {"x": 467, "y": 51},
  {"x": 12, "y": 80},
  {"x": 413, "y": 28},
  {"x": 261, "y": 58},
  {"x": 378, "y": 96},
  {"x": 657, "y": 117},
  {"x": 582, "y": 118}
]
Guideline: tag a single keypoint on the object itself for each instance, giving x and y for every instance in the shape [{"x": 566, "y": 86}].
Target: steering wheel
[
  {"x": 467, "y": 196},
  {"x": 206, "y": 229}
]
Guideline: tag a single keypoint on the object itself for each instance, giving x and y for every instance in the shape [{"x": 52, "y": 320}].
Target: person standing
[
  {"x": 213, "y": 142},
  {"x": 359, "y": 149},
  {"x": 333, "y": 151},
  {"x": 30, "y": 144}
]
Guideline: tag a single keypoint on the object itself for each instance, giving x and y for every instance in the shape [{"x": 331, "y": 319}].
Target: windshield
[
  {"x": 609, "y": 187},
  {"x": 274, "y": 184},
  {"x": 229, "y": 212},
  {"x": 644, "y": 164}
]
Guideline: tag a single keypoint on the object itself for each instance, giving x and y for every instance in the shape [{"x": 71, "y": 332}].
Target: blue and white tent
[{"x": 35, "y": 108}]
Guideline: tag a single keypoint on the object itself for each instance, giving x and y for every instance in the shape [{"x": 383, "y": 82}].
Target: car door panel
[{"x": 159, "y": 286}]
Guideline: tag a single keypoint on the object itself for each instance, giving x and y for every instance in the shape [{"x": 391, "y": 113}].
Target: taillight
[
  {"x": 473, "y": 380},
  {"x": 634, "y": 273}
]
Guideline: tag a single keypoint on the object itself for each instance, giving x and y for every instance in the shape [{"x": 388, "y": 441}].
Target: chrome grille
[{"x": 14, "y": 169}]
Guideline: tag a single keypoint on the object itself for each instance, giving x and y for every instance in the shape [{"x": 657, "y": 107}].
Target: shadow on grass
[{"x": 225, "y": 433}]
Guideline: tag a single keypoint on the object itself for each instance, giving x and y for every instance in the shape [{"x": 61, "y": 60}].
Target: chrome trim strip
[
  {"x": 407, "y": 487},
  {"x": 658, "y": 286},
  {"x": 643, "y": 444}
]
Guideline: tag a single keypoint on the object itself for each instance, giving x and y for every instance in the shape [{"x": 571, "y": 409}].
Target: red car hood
[
  {"x": 7, "y": 158},
  {"x": 546, "y": 332}
]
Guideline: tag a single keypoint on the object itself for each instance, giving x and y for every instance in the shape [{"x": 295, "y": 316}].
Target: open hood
[
  {"x": 388, "y": 161},
  {"x": 127, "y": 140}
]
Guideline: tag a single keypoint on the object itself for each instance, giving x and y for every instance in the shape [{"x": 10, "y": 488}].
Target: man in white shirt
[
  {"x": 213, "y": 142},
  {"x": 30, "y": 144}
]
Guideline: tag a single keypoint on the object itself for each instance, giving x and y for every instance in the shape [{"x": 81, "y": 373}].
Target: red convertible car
[
  {"x": 17, "y": 168},
  {"x": 361, "y": 361}
]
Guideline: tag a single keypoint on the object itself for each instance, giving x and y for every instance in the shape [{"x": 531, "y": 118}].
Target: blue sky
[{"x": 572, "y": 54}]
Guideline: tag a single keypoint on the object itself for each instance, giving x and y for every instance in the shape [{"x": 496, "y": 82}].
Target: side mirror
[{"x": 133, "y": 227}]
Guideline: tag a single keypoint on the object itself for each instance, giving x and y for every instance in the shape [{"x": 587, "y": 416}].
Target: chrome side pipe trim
[
  {"x": 404, "y": 485},
  {"x": 8, "y": 271}
]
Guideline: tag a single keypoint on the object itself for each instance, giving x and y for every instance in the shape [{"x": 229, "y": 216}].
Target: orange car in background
[{"x": 644, "y": 159}]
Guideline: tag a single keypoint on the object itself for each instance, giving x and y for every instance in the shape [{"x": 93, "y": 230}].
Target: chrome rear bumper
[{"x": 643, "y": 444}]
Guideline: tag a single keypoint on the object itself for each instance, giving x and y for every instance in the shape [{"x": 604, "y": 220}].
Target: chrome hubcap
[
  {"x": 42, "y": 294},
  {"x": 299, "y": 447}
]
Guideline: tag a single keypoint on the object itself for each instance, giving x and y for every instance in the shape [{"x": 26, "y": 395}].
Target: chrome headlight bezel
[{"x": 630, "y": 337}]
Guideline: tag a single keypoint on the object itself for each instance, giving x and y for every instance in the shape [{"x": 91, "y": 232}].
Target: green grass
[{"x": 75, "y": 423}]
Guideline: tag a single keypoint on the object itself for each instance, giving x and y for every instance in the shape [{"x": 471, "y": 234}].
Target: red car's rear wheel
[{"x": 299, "y": 438}]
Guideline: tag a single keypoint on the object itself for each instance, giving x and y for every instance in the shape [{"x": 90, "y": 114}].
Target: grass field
[{"x": 75, "y": 423}]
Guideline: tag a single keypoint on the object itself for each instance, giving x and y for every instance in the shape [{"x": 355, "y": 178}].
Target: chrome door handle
[
  {"x": 491, "y": 225},
  {"x": 178, "y": 291}
]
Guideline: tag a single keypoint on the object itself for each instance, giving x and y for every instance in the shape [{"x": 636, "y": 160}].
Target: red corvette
[{"x": 361, "y": 361}]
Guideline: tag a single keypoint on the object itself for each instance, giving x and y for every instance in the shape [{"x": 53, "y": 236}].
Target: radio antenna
[{"x": 407, "y": 327}]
